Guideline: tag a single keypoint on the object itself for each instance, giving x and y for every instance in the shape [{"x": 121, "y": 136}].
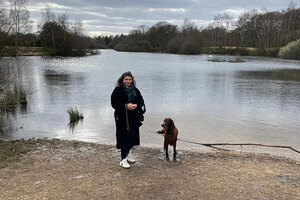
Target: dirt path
[{"x": 77, "y": 170}]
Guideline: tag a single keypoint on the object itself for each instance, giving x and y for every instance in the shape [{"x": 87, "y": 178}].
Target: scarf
[{"x": 130, "y": 91}]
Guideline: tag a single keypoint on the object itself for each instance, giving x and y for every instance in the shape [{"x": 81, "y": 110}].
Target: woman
[{"x": 126, "y": 99}]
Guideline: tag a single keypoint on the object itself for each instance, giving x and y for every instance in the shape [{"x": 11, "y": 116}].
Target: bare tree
[
  {"x": 49, "y": 19},
  {"x": 5, "y": 26},
  {"x": 19, "y": 16}
]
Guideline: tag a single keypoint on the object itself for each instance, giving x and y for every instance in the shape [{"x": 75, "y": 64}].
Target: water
[{"x": 254, "y": 101}]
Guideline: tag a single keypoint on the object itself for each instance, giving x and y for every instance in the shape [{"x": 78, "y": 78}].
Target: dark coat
[{"x": 125, "y": 139}]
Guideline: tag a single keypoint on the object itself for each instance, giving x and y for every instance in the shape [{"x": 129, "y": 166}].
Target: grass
[
  {"x": 74, "y": 115},
  {"x": 11, "y": 151},
  {"x": 27, "y": 51}
]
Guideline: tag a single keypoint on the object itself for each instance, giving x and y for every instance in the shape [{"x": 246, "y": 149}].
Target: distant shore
[
  {"x": 248, "y": 51},
  {"x": 28, "y": 51},
  {"x": 58, "y": 169}
]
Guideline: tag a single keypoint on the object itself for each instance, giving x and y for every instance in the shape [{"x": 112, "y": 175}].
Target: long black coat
[{"x": 125, "y": 139}]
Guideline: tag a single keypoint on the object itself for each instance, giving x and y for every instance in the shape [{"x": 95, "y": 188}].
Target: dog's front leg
[
  {"x": 175, "y": 153},
  {"x": 167, "y": 153}
]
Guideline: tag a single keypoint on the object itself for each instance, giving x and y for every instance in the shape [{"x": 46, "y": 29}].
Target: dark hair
[{"x": 120, "y": 80}]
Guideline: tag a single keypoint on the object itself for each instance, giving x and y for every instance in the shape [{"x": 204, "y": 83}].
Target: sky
[{"x": 111, "y": 17}]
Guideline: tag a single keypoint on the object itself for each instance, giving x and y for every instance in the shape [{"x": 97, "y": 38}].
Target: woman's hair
[{"x": 120, "y": 80}]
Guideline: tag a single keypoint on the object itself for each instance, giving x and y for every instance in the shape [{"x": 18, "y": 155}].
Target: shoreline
[
  {"x": 46, "y": 51},
  {"x": 60, "y": 169}
]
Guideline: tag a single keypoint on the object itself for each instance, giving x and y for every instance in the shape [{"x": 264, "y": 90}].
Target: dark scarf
[{"x": 130, "y": 91}]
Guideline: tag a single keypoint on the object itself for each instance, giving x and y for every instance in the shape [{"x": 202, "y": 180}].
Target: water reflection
[
  {"x": 72, "y": 125},
  {"x": 7, "y": 126},
  {"x": 56, "y": 78},
  {"x": 283, "y": 74}
]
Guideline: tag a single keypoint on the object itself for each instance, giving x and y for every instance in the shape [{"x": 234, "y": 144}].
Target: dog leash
[
  {"x": 212, "y": 145},
  {"x": 127, "y": 121}
]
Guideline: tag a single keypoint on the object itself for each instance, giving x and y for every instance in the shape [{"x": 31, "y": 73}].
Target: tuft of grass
[
  {"x": 74, "y": 115},
  {"x": 11, "y": 151}
]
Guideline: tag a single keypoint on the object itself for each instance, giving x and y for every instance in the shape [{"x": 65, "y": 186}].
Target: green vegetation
[
  {"x": 11, "y": 151},
  {"x": 74, "y": 115},
  {"x": 291, "y": 50}
]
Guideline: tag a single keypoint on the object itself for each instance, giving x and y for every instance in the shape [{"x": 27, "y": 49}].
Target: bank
[
  {"x": 27, "y": 51},
  {"x": 229, "y": 50},
  {"x": 57, "y": 169}
]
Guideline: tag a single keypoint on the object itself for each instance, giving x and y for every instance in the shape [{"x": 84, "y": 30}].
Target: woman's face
[{"x": 127, "y": 81}]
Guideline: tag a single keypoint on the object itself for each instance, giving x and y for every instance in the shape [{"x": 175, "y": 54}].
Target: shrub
[{"x": 291, "y": 50}]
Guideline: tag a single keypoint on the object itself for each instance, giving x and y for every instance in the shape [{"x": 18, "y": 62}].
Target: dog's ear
[{"x": 171, "y": 126}]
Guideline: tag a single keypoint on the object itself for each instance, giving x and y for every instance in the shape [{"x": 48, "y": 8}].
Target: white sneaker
[
  {"x": 124, "y": 164},
  {"x": 130, "y": 159}
]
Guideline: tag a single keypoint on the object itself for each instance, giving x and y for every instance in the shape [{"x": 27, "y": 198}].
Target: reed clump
[
  {"x": 11, "y": 99},
  {"x": 74, "y": 115},
  {"x": 290, "y": 51}
]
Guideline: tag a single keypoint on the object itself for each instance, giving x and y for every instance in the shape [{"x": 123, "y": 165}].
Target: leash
[
  {"x": 127, "y": 121},
  {"x": 212, "y": 145}
]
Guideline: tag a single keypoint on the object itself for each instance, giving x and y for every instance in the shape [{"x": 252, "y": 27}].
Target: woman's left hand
[{"x": 131, "y": 106}]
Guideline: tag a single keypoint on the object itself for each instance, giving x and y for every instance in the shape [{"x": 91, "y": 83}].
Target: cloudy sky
[{"x": 110, "y": 17}]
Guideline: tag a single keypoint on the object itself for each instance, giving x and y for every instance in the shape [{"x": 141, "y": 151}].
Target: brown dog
[{"x": 170, "y": 133}]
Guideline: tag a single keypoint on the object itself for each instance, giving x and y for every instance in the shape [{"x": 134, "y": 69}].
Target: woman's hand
[{"x": 131, "y": 106}]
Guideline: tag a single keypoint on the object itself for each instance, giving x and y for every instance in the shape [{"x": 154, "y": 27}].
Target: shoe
[
  {"x": 124, "y": 164},
  {"x": 130, "y": 159}
]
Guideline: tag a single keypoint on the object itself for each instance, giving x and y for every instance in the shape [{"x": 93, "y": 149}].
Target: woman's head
[{"x": 126, "y": 78}]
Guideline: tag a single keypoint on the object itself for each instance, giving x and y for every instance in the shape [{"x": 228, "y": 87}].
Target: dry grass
[
  {"x": 291, "y": 51},
  {"x": 12, "y": 98}
]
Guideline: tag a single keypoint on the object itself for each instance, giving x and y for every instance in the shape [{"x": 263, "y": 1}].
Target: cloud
[{"x": 121, "y": 16}]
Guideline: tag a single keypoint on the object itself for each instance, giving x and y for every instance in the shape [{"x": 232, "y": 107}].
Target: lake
[{"x": 254, "y": 101}]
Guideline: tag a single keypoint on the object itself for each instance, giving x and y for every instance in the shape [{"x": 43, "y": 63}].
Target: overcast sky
[{"x": 110, "y": 17}]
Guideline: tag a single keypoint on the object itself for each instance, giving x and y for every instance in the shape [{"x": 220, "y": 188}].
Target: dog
[{"x": 170, "y": 133}]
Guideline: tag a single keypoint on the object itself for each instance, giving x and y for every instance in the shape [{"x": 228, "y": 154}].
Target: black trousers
[{"x": 124, "y": 153}]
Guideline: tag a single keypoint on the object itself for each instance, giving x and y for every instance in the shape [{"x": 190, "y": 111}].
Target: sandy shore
[{"x": 76, "y": 170}]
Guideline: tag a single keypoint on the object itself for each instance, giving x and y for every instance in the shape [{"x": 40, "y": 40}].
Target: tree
[
  {"x": 4, "y": 24},
  {"x": 219, "y": 28},
  {"x": 160, "y": 34},
  {"x": 65, "y": 38},
  {"x": 19, "y": 16},
  {"x": 50, "y": 23}
]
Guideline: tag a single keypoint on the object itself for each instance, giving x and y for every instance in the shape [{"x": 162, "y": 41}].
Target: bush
[
  {"x": 134, "y": 46},
  {"x": 291, "y": 50}
]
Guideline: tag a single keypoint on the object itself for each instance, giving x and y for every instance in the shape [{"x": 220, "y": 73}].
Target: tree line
[
  {"x": 55, "y": 31},
  {"x": 266, "y": 31}
]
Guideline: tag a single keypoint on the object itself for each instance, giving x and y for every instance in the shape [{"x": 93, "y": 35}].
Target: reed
[
  {"x": 13, "y": 98},
  {"x": 74, "y": 115}
]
